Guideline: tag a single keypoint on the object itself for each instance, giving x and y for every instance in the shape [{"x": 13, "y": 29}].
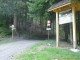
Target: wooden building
[{"x": 62, "y": 6}]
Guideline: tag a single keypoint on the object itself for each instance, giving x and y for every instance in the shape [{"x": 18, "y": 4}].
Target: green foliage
[
  {"x": 38, "y": 8},
  {"x": 4, "y": 31},
  {"x": 74, "y": 1},
  {"x": 10, "y": 6},
  {"x": 7, "y": 10}
]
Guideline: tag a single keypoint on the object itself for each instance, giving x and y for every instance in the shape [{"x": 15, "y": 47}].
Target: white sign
[
  {"x": 65, "y": 17},
  {"x": 48, "y": 24},
  {"x": 12, "y": 26},
  {"x": 48, "y": 28}
]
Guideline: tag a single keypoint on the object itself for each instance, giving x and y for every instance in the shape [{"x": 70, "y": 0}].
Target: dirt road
[{"x": 7, "y": 51}]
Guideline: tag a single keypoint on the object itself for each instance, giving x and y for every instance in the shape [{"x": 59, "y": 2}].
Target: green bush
[{"x": 4, "y": 31}]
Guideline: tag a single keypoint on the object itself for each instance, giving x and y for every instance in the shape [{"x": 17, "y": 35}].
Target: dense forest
[{"x": 29, "y": 18}]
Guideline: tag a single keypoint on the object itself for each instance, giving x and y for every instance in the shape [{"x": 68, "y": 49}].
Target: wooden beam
[
  {"x": 63, "y": 8},
  {"x": 57, "y": 29}
]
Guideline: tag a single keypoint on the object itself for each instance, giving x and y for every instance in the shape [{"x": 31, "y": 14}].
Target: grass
[
  {"x": 47, "y": 53},
  {"x": 6, "y": 40}
]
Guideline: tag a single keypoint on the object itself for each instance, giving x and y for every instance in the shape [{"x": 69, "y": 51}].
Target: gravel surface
[{"x": 9, "y": 50}]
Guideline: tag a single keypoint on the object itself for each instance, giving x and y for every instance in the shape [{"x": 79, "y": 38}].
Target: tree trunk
[
  {"x": 15, "y": 20},
  {"x": 41, "y": 23},
  {"x": 15, "y": 23},
  {"x": 71, "y": 34},
  {"x": 79, "y": 25},
  {"x": 66, "y": 32}
]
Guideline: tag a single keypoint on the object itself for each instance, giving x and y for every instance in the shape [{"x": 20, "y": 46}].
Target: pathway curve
[{"x": 7, "y": 51}]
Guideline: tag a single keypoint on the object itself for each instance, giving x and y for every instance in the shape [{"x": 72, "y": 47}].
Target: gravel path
[{"x": 7, "y": 51}]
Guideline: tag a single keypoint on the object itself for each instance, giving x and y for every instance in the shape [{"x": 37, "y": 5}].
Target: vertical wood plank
[
  {"x": 74, "y": 28},
  {"x": 57, "y": 29}
]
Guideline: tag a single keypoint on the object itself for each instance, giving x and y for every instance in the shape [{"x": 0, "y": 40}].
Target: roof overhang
[{"x": 65, "y": 6}]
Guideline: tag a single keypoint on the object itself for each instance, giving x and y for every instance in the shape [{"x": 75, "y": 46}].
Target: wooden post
[
  {"x": 12, "y": 34},
  {"x": 74, "y": 28},
  {"x": 57, "y": 29}
]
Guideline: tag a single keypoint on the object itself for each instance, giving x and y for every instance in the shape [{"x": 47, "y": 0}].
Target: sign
[
  {"x": 48, "y": 21},
  {"x": 65, "y": 16},
  {"x": 48, "y": 24},
  {"x": 48, "y": 28},
  {"x": 12, "y": 26}
]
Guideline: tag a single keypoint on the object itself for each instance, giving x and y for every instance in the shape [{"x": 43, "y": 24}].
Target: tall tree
[
  {"x": 11, "y": 7},
  {"x": 12, "y": 10}
]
